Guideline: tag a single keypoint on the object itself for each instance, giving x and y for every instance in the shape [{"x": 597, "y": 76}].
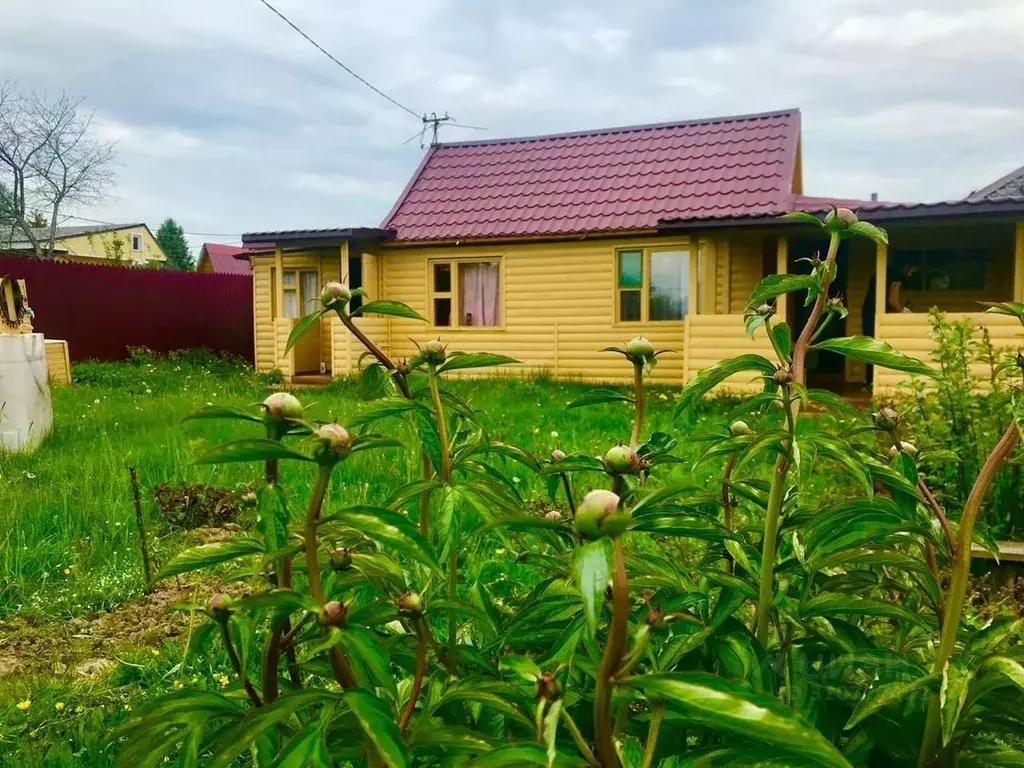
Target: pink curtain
[{"x": 479, "y": 293}]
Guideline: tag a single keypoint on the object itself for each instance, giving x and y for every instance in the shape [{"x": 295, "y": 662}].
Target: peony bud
[
  {"x": 656, "y": 618},
  {"x": 839, "y": 219},
  {"x": 622, "y": 460},
  {"x": 341, "y": 559},
  {"x": 335, "y": 443},
  {"x": 782, "y": 376},
  {"x": 410, "y": 604},
  {"x": 599, "y": 515},
  {"x": 281, "y": 407},
  {"x": 738, "y": 428},
  {"x": 333, "y": 614},
  {"x": 887, "y": 418},
  {"x": 908, "y": 448},
  {"x": 220, "y": 606},
  {"x": 434, "y": 352},
  {"x": 557, "y": 455},
  {"x": 335, "y": 296},
  {"x": 553, "y": 515},
  {"x": 640, "y": 348},
  {"x": 548, "y": 688}
]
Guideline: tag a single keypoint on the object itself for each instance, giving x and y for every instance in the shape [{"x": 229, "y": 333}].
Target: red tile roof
[
  {"x": 226, "y": 259},
  {"x": 618, "y": 179}
]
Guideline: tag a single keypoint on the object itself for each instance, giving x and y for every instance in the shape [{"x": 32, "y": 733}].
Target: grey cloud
[{"x": 231, "y": 122}]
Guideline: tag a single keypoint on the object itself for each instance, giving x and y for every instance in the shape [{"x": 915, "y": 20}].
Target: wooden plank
[{"x": 1009, "y": 551}]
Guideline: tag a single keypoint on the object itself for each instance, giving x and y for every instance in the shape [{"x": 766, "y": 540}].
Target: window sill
[{"x": 465, "y": 329}]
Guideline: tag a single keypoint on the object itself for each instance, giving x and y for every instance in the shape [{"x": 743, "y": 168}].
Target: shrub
[{"x": 811, "y": 632}]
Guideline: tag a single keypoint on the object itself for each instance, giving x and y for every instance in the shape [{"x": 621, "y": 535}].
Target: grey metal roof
[
  {"x": 18, "y": 240},
  {"x": 1010, "y": 185}
]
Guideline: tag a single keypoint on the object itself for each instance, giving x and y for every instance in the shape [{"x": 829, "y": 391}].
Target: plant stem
[
  {"x": 771, "y": 534},
  {"x": 568, "y": 493},
  {"x": 933, "y": 567},
  {"x": 442, "y": 427},
  {"x": 940, "y": 515},
  {"x": 803, "y": 342},
  {"x": 316, "y": 502},
  {"x": 652, "y": 735},
  {"x": 147, "y": 569},
  {"x": 423, "y": 635},
  {"x": 613, "y": 650},
  {"x": 639, "y": 401},
  {"x": 577, "y": 736},
  {"x": 538, "y": 721},
  {"x": 727, "y": 505},
  {"x": 236, "y": 664},
  {"x": 961, "y": 572}
]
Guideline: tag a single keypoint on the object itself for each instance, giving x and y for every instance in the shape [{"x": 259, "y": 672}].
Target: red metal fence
[{"x": 101, "y": 311}]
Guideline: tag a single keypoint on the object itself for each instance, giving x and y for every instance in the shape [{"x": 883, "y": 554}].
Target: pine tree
[{"x": 172, "y": 240}]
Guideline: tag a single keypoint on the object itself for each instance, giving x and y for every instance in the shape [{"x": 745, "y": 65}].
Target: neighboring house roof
[
  {"x": 225, "y": 259},
  {"x": 1010, "y": 185},
  {"x": 19, "y": 241},
  {"x": 617, "y": 179}
]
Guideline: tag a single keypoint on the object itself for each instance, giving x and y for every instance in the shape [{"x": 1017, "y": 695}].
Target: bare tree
[{"x": 49, "y": 158}]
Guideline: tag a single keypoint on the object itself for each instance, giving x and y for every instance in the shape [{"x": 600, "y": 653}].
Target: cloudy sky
[{"x": 230, "y": 122}]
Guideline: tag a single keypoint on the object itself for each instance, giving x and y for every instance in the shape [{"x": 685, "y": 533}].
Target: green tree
[{"x": 172, "y": 240}]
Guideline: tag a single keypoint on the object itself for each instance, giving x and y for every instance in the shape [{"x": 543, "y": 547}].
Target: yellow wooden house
[
  {"x": 548, "y": 248},
  {"x": 126, "y": 244}
]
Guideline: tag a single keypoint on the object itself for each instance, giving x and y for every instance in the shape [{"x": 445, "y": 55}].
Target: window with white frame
[
  {"x": 136, "y": 243},
  {"x": 465, "y": 293},
  {"x": 652, "y": 285}
]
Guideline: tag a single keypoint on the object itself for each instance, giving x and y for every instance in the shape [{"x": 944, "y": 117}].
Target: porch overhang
[
  {"x": 299, "y": 239},
  {"x": 870, "y": 210}
]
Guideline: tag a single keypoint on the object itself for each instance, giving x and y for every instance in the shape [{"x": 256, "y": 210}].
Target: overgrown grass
[{"x": 70, "y": 544}]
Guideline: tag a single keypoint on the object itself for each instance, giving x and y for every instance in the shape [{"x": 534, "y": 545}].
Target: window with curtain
[
  {"x": 310, "y": 292},
  {"x": 290, "y": 293},
  {"x": 479, "y": 294},
  {"x": 465, "y": 294},
  {"x": 652, "y": 285}
]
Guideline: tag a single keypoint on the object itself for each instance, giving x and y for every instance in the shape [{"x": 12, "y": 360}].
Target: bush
[{"x": 958, "y": 419}]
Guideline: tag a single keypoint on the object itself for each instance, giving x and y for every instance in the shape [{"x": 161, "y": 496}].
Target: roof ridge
[{"x": 620, "y": 129}]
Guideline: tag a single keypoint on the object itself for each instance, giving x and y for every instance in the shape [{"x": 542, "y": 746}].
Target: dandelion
[
  {"x": 67, "y": 571},
  {"x": 223, "y": 680},
  {"x": 22, "y": 706},
  {"x": 156, "y": 651},
  {"x": 662, "y": 396},
  {"x": 59, "y": 706}
]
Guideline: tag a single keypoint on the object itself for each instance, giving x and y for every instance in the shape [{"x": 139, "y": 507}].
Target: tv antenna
[{"x": 433, "y": 123}]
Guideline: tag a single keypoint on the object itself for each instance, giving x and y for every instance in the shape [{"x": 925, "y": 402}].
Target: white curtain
[
  {"x": 310, "y": 293},
  {"x": 479, "y": 293}
]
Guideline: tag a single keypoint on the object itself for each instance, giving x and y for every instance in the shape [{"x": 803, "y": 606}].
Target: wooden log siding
[{"x": 557, "y": 295}]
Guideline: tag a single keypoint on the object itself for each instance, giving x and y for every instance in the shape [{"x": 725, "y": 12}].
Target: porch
[
  {"x": 957, "y": 262},
  {"x": 290, "y": 270}
]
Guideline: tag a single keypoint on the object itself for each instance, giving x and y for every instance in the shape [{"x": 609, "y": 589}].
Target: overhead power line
[
  {"x": 341, "y": 64},
  {"x": 236, "y": 235}
]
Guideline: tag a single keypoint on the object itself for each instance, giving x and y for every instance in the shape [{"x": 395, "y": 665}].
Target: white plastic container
[{"x": 25, "y": 413}]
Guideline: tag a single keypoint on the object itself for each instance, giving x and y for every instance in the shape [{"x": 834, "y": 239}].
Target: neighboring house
[
  {"x": 218, "y": 259},
  {"x": 549, "y": 248},
  {"x": 94, "y": 244}
]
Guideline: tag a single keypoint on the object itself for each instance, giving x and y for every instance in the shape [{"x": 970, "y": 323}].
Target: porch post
[
  {"x": 881, "y": 267},
  {"x": 279, "y": 282},
  {"x": 781, "y": 268},
  {"x": 1018, "y": 263}
]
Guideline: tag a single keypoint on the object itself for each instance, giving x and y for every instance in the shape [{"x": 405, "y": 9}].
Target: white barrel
[{"x": 25, "y": 413}]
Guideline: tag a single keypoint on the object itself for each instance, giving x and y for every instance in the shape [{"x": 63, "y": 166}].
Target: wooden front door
[{"x": 307, "y": 355}]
